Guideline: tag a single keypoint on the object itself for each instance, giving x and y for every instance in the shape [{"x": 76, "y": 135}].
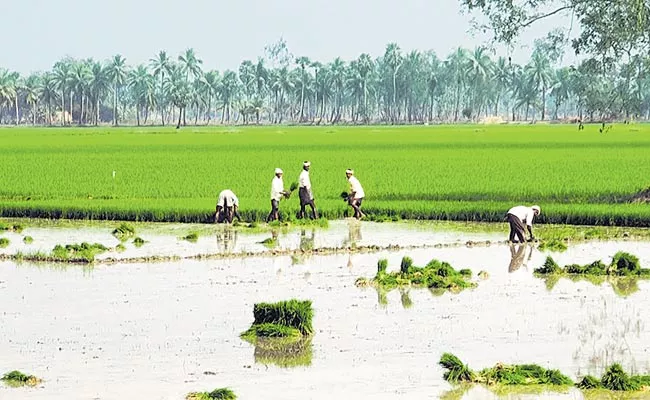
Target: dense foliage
[{"x": 397, "y": 87}]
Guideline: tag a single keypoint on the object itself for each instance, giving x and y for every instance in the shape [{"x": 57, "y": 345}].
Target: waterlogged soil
[
  {"x": 159, "y": 331},
  {"x": 165, "y": 240}
]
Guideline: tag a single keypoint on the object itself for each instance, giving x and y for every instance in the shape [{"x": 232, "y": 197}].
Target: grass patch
[
  {"x": 83, "y": 253},
  {"x": 4, "y": 243},
  {"x": 28, "y": 240},
  {"x": 17, "y": 378},
  {"x": 217, "y": 394},
  {"x": 623, "y": 264},
  {"x": 124, "y": 231},
  {"x": 501, "y": 374},
  {"x": 436, "y": 275},
  {"x": 192, "y": 237}
]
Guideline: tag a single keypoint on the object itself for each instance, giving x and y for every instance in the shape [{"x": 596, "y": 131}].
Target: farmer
[
  {"x": 517, "y": 217},
  {"x": 277, "y": 191},
  {"x": 356, "y": 194},
  {"x": 227, "y": 207},
  {"x": 305, "y": 193}
]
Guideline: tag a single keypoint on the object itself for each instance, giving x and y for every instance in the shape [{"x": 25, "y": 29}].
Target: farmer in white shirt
[
  {"x": 356, "y": 194},
  {"x": 227, "y": 207},
  {"x": 277, "y": 191},
  {"x": 305, "y": 193},
  {"x": 517, "y": 217}
]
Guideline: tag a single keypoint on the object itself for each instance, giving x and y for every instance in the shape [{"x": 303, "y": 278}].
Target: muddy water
[
  {"x": 164, "y": 239},
  {"x": 152, "y": 331}
]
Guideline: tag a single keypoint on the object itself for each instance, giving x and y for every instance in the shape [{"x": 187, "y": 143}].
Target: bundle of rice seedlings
[
  {"x": 381, "y": 266},
  {"x": 124, "y": 231},
  {"x": 4, "y": 242},
  {"x": 406, "y": 264},
  {"x": 191, "y": 237},
  {"x": 345, "y": 196},
  {"x": 268, "y": 330},
  {"x": 553, "y": 245},
  {"x": 624, "y": 264},
  {"x": 549, "y": 267},
  {"x": 285, "y": 319},
  {"x": 589, "y": 382},
  {"x": 456, "y": 371},
  {"x": 138, "y": 241},
  {"x": 616, "y": 379},
  {"x": 28, "y": 239},
  {"x": 217, "y": 394},
  {"x": 17, "y": 378},
  {"x": 120, "y": 248},
  {"x": 293, "y": 186}
]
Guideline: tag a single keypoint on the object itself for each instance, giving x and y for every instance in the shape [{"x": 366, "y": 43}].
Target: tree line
[{"x": 397, "y": 87}]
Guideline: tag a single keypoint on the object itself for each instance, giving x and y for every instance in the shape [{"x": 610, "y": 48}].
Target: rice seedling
[
  {"x": 138, "y": 241},
  {"x": 589, "y": 382},
  {"x": 286, "y": 319},
  {"x": 552, "y": 245},
  {"x": 154, "y": 183},
  {"x": 616, "y": 379},
  {"x": 18, "y": 228},
  {"x": 623, "y": 264},
  {"x": 17, "y": 379},
  {"x": 120, "y": 248},
  {"x": 4, "y": 243},
  {"x": 83, "y": 253},
  {"x": 217, "y": 394},
  {"x": 436, "y": 274},
  {"x": 192, "y": 237},
  {"x": 502, "y": 374},
  {"x": 124, "y": 231},
  {"x": 28, "y": 240}
]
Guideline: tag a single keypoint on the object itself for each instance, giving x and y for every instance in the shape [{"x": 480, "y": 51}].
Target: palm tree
[
  {"x": 337, "y": 72},
  {"x": 142, "y": 86},
  {"x": 393, "y": 58},
  {"x": 302, "y": 62},
  {"x": 364, "y": 67},
  {"x": 178, "y": 89},
  {"x": 32, "y": 90},
  {"x": 561, "y": 88},
  {"x": 48, "y": 92},
  {"x": 98, "y": 85},
  {"x": 228, "y": 91},
  {"x": 117, "y": 72},
  {"x": 539, "y": 71},
  {"x": 61, "y": 76},
  {"x": 8, "y": 90},
  {"x": 210, "y": 87},
  {"x": 500, "y": 77},
  {"x": 80, "y": 78},
  {"x": 479, "y": 68},
  {"x": 161, "y": 65},
  {"x": 456, "y": 64},
  {"x": 190, "y": 64}
]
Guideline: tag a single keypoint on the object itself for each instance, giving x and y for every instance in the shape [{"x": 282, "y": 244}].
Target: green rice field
[{"x": 415, "y": 172}]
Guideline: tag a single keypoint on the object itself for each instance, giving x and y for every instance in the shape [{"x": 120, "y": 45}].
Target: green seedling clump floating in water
[
  {"x": 589, "y": 382},
  {"x": 4, "y": 242},
  {"x": 623, "y": 264},
  {"x": 28, "y": 240},
  {"x": 502, "y": 374},
  {"x": 436, "y": 274},
  {"x": 18, "y": 228},
  {"x": 192, "y": 237},
  {"x": 17, "y": 378},
  {"x": 124, "y": 231},
  {"x": 217, "y": 394},
  {"x": 553, "y": 245},
  {"x": 139, "y": 242},
  {"x": 285, "y": 319},
  {"x": 120, "y": 248},
  {"x": 73, "y": 253}
]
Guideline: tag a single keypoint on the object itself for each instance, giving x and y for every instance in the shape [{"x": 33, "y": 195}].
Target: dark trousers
[
  {"x": 517, "y": 228},
  {"x": 306, "y": 200},
  {"x": 274, "y": 214}
]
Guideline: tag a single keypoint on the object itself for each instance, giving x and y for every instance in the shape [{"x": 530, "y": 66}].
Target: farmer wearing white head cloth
[
  {"x": 517, "y": 217},
  {"x": 356, "y": 194},
  {"x": 227, "y": 207},
  {"x": 277, "y": 191},
  {"x": 305, "y": 193}
]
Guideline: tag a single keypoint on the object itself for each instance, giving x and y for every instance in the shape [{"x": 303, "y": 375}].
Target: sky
[{"x": 37, "y": 33}]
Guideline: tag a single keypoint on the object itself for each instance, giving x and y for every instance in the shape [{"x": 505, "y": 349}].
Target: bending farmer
[
  {"x": 277, "y": 191},
  {"x": 517, "y": 217},
  {"x": 356, "y": 194},
  {"x": 227, "y": 207},
  {"x": 305, "y": 193}
]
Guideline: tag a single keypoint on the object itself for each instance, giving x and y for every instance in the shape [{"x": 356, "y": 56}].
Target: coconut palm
[
  {"x": 79, "y": 83},
  {"x": 48, "y": 93},
  {"x": 160, "y": 66},
  {"x": 32, "y": 92},
  {"x": 117, "y": 72},
  {"x": 539, "y": 71},
  {"x": 142, "y": 87},
  {"x": 9, "y": 91},
  {"x": 302, "y": 62},
  {"x": 98, "y": 86}
]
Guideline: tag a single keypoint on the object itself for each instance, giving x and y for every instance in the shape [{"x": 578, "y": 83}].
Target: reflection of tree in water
[
  {"x": 284, "y": 353},
  {"x": 604, "y": 335},
  {"x": 226, "y": 240}
]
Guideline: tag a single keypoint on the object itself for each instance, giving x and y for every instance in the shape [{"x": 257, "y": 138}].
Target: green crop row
[{"x": 445, "y": 172}]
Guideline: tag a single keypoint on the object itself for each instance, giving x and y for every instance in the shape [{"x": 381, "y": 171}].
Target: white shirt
[
  {"x": 277, "y": 187},
  {"x": 303, "y": 180},
  {"x": 525, "y": 214},
  {"x": 355, "y": 187},
  {"x": 229, "y": 197}
]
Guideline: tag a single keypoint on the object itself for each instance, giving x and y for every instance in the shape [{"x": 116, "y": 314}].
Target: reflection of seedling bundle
[{"x": 281, "y": 333}]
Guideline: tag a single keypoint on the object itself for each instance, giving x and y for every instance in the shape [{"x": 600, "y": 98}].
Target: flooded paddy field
[{"x": 161, "y": 330}]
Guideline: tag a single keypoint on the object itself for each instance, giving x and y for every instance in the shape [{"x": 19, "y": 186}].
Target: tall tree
[{"x": 117, "y": 72}]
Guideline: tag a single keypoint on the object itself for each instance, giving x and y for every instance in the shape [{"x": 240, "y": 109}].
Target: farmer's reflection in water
[
  {"x": 518, "y": 255},
  {"x": 226, "y": 240},
  {"x": 354, "y": 234},
  {"x": 307, "y": 242}
]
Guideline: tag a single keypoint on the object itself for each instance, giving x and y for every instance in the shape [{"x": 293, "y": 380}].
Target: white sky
[{"x": 223, "y": 33}]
